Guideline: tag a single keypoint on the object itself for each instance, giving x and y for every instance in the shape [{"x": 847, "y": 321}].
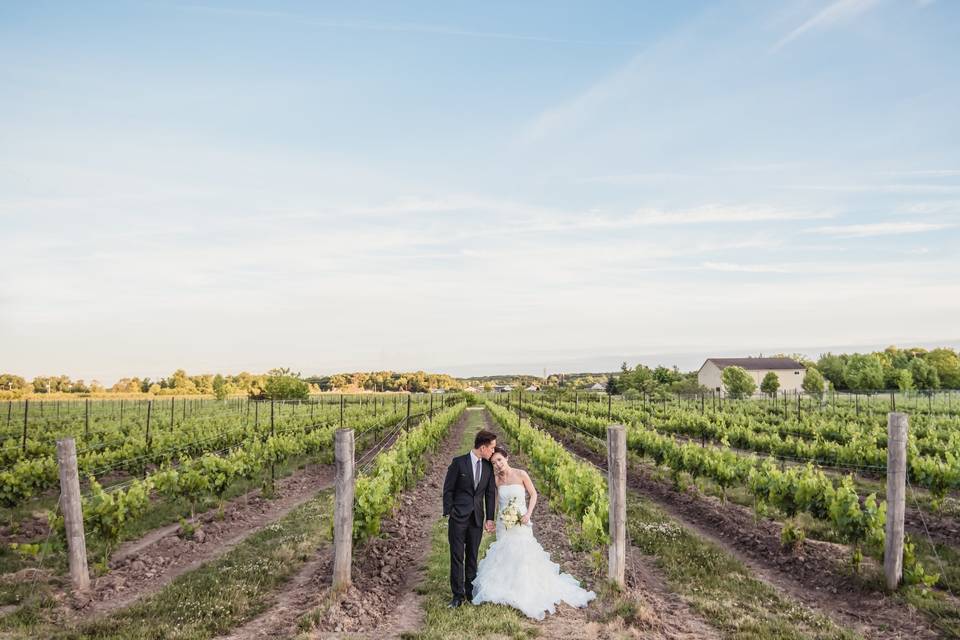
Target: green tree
[
  {"x": 947, "y": 364},
  {"x": 770, "y": 383},
  {"x": 904, "y": 380},
  {"x": 612, "y": 386},
  {"x": 737, "y": 382},
  {"x": 831, "y": 367},
  {"x": 863, "y": 372},
  {"x": 182, "y": 383},
  {"x": 282, "y": 384},
  {"x": 220, "y": 387},
  {"x": 12, "y": 386},
  {"x": 924, "y": 375},
  {"x": 813, "y": 383}
]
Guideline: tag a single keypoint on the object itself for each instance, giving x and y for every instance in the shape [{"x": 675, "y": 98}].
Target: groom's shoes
[{"x": 455, "y": 603}]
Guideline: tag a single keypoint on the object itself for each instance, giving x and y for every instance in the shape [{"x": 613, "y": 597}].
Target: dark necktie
[{"x": 476, "y": 477}]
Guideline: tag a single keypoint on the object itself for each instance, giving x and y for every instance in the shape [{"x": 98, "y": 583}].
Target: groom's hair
[{"x": 483, "y": 437}]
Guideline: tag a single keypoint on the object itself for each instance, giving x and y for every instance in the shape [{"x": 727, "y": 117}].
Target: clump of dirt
[{"x": 32, "y": 528}]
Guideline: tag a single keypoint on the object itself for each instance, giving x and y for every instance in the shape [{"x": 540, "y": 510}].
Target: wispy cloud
[
  {"x": 925, "y": 173},
  {"x": 723, "y": 214},
  {"x": 744, "y": 268},
  {"x": 878, "y": 229},
  {"x": 878, "y": 188},
  {"x": 833, "y": 14}
]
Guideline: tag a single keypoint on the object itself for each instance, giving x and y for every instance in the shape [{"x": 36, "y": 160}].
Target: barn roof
[{"x": 757, "y": 364}]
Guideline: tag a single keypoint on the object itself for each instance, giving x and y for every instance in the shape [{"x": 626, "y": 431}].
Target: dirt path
[
  {"x": 817, "y": 575},
  {"x": 143, "y": 567},
  {"x": 382, "y": 602}
]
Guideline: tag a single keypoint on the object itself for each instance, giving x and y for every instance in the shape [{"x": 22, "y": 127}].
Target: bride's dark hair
[{"x": 501, "y": 450}]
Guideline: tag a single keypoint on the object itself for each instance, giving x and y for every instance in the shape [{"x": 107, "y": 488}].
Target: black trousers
[{"x": 464, "y": 537}]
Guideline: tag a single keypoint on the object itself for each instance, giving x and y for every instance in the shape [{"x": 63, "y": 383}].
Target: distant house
[
  {"x": 503, "y": 388},
  {"x": 598, "y": 387},
  {"x": 790, "y": 372},
  {"x": 437, "y": 391},
  {"x": 471, "y": 390},
  {"x": 533, "y": 387}
]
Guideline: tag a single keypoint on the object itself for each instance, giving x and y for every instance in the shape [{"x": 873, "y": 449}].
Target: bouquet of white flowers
[{"x": 510, "y": 515}]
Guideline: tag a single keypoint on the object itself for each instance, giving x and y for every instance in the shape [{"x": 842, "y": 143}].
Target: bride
[{"x": 516, "y": 570}]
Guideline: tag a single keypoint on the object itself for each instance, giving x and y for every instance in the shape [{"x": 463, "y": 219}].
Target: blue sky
[{"x": 473, "y": 186}]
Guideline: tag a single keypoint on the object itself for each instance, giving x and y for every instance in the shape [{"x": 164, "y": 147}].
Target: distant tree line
[
  {"x": 275, "y": 383},
  {"x": 892, "y": 369},
  {"x": 414, "y": 382}
]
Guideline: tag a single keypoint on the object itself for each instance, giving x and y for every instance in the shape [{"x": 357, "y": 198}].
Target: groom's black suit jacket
[{"x": 460, "y": 500}]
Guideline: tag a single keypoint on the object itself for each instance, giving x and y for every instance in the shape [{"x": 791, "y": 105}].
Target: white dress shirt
[{"x": 473, "y": 467}]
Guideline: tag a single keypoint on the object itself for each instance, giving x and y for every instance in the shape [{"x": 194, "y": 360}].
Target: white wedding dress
[{"x": 517, "y": 571}]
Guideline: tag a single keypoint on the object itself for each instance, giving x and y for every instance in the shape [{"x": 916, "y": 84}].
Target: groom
[{"x": 469, "y": 492}]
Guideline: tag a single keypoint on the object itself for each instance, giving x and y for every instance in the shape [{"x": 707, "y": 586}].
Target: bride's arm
[{"x": 528, "y": 485}]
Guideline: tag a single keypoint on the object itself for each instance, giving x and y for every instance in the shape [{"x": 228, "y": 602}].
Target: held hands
[
  {"x": 525, "y": 519},
  {"x": 489, "y": 526}
]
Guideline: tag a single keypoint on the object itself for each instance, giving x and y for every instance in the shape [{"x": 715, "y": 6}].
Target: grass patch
[
  {"x": 468, "y": 622},
  {"x": 718, "y": 586},
  {"x": 211, "y": 599},
  {"x": 939, "y": 610}
]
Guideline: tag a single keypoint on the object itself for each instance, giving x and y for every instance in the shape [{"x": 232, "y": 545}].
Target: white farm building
[{"x": 789, "y": 371}]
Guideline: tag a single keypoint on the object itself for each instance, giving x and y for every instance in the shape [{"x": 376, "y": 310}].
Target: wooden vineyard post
[
  {"x": 273, "y": 473},
  {"x": 121, "y": 413},
  {"x": 343, "y": 452},
  {"x": 576, "y": 403},
  {"x": 431, "y": 406},
  {"x": 9, "y": 411},
  {"x": 72, "y": 513},
  {"x": 519, "y": 406},
  {"x": 609, "y": 407},
  {"x": 86, "y": 418},
  {"x": 897, "y": 426},
  {"x": 149, "y": 411},
  {"x": 406, "y": 422},
  {"x": 617, "y": 485},
  {"x": 26, "y": 411},
  {"x": 172, "y": 407},
  {"x": 341, "y": 411}
]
